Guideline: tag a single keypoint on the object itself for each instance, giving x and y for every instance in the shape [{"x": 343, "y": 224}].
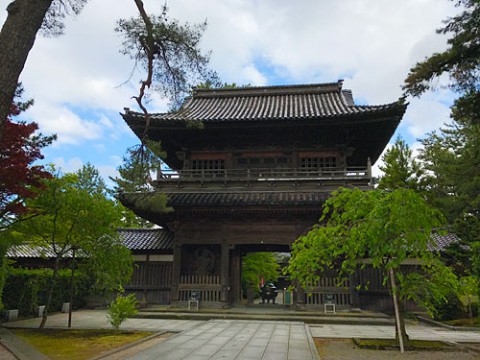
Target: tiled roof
[
  {"x": 147, "y": 239},
  {"x": 247, "y": 199},
  {"x": 293, "y": 102},
  {"x": 133, "y": 239},
  {"x": 27, "y": 251},
  {"x": 441, "y": 242}
]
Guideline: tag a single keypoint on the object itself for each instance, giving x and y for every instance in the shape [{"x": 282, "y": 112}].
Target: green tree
[
  {"x": 460, "y": 61},
  {"x": 400, "y": 168},
  {"x": 256, "y": 266},
  {"x": 70, "y": 222},
  {"x": 136, "y": 176},
  {"x": 90, "y": 180},
  {"x": 387, "y": 227},
  {"x": 452, "y": 156}
]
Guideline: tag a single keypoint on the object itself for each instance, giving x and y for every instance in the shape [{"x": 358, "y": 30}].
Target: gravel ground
[{"x": 345, "y": 349}]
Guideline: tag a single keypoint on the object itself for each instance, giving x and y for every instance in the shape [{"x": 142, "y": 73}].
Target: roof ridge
[{"x": 269, "y": 90}]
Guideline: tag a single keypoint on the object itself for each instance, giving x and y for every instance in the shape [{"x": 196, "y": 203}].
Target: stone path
[
  {"x": 416, "y": 332},
  {"x": 240, "y": 340}
]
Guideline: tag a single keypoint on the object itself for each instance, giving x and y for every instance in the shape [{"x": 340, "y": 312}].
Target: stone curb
[
  {"x": 128, "y": 346},
  {"x": 446, "y": 326},
  {"x": 19, "y": 348}
]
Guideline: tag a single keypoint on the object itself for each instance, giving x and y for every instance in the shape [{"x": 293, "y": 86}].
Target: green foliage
[
  {"x": 70, "y": 221},
  {"x": 26, "y": 289},
  {"x": 110, "y": 266},
  {"x": 400, "y": 168},
  {"x": 90, "y": 180},
  {"x": 136, "y": 177},
  {"x": 461, "y": 61},
  {"x": 431, "y": 288},
  {"x": 256, "y": 266},
  {"x": 122, "y": 308},
  {"x": 452, "y": 157},
  {"x": 387, "y": 227}
]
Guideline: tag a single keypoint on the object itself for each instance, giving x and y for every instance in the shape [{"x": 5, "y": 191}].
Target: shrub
[
  {"x": 452, "y": 309},
  {"x": 25, "y": 289},
  {"x": 122, "y": 308}
]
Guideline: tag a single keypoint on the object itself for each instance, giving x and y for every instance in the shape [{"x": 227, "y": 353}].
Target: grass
[
  {"x": 392, "y": 344},
  {"x": 469, "y": 322},
  {"x": 59, "y": 344}
]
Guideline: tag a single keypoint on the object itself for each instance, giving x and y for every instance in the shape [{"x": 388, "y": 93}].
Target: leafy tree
[
  {"x": 400, "y": 168},
  {"x": 70, "y": 222},
  {"x": 460, "y": 61},
  {"x": 19, "y": 178},
  {"x": 136, "y": 176},
  {"x": 256, "y": 266},
  {"x": 387, "y": 227},
  {"x": 452, "y": 156},
  {"x": 90, "y": 180},
  {"x": 25, "y": 18},
  {"x": 20, "y": 148}
]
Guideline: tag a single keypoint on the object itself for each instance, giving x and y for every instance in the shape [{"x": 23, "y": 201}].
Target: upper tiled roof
[
  {"x": 133, "y": 239},
  {"x": 294, "y": 102}
]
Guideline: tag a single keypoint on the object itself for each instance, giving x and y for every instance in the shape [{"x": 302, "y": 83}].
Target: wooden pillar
[
  {"x": 235, "y": 277},
  {"x": 354, "y": 296},
  {"x": 224, "y": 272},
  {"x": 177, "y": 265}
]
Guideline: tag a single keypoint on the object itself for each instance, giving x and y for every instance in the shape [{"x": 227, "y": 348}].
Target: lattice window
[
  {"x": 209, "y": 165},
  {"x": 315, "y": 163}
]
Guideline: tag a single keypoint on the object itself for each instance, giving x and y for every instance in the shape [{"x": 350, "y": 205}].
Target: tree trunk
[
  {"x": 17, "y": 37},
  {"x": 50, "y": 292}
]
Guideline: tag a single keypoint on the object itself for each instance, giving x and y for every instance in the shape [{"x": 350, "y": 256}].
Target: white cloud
[
  {"x": 68, "y": 166},
  {"x": 75, "y": 79}
]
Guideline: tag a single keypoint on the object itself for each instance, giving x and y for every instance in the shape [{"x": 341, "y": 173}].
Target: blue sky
[{"x": 80, "y": 82}]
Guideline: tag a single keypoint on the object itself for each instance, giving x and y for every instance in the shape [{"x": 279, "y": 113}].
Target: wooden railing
[
  {"x": 329, "y": 287},
  {"x": 207, "y": 287},
  {"x": 262, "y": 175}
]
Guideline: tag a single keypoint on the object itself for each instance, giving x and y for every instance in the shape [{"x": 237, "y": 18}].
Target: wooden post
[
  {"x": 235, "y": 281},
  {"x": 177, "y": 265},
  {"x": 224, "y": 272}
]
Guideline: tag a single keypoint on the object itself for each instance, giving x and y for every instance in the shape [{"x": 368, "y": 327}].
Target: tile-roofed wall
[
  {"x": 147, "y": 239},
  {"x": 133, "y": 239},
  {"x": 441, "y": 242}
]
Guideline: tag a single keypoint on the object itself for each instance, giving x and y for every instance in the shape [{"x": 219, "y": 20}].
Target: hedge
[{"x": 26, "y": 289}]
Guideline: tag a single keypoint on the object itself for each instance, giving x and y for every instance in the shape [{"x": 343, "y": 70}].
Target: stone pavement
[
  {"x": 237, "y": 339},
  {"x": 414, "y": 331},
  {"x": 241, "y": 339}
]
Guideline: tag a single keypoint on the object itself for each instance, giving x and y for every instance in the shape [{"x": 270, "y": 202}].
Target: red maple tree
[{"x": 19, "y": 178}]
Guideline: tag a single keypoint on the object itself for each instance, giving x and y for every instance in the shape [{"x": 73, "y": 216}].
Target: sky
[{"x": 81, "y": 82}]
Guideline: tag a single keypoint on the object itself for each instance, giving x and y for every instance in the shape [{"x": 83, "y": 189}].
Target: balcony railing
[{"x": 259, "y": 176}]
